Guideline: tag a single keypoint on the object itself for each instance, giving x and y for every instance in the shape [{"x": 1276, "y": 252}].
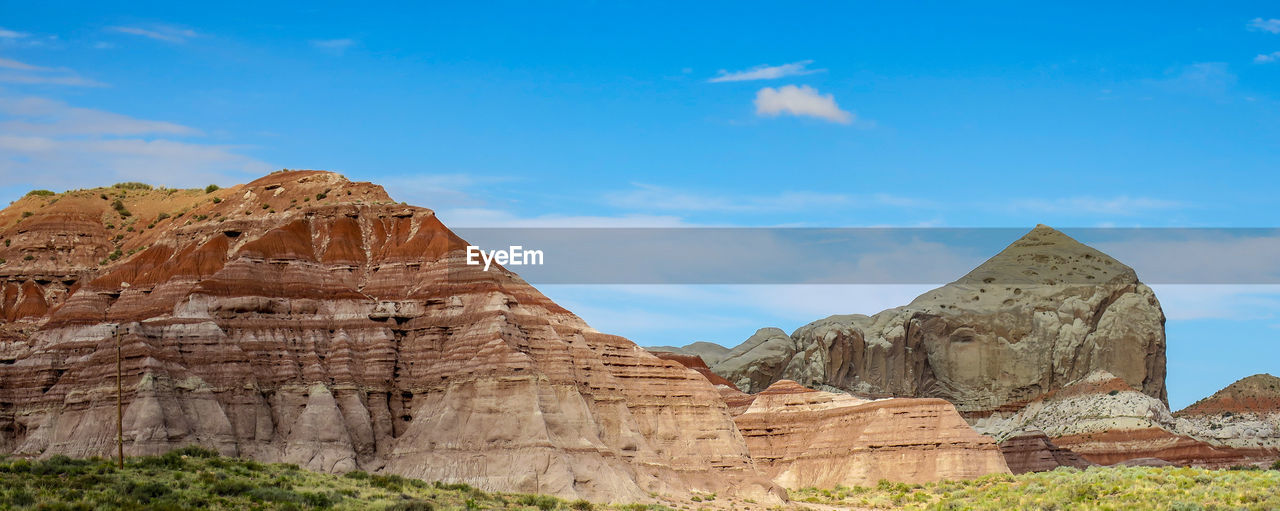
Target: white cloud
[
  {"x": 50, "y": 144},
  {"x": 766, "y": 72},
  {"x": 21, "y": 66},
  {"x": 1120, "y": 205},
  {"x": 799, "y": 101},
  {"x": 10, "y": 34},
  {"x": 486, "y": 217},
  {"x": 1267, "y": 57},
  {"x": 335, "y": 46},
  {"x": 167, "y": 33},
  {"x": 46, "y": 117},
  {"x": 1201, "y": 78},
  {"x": 13, "y": 71},
  {"x": 1268, "y": 25}
]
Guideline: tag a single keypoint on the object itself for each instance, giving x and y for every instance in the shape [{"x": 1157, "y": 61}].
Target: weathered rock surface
[
  {"x": 802, "y": 437},
  {"x": 1032, "y": 451},
  {"x": 696, "y": 363},
  {"x": 306, "y": 318},
  {"x": 1044, "y": 312},
  {"x": 1105, "y": 421},
  {"x": 1244, "y": 415}
]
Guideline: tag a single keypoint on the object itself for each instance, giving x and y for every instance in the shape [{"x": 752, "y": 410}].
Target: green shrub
[
  {"x": 29, "y": 257},
  {"x": 40, "y": 193},
  {"x": 228, "y": 487},
  {"x": 131, "y": 185},
  {"x": 412, "y": 505},
  {"x": 582, "y": 505},
  {"x": 543, "y": 502},
  {"x": 212, "y": 188},
  {"x": 358, "y": 475},
  {"x": 162, "y": 216},
  {"x": 321, "y": 196},
  {"x": 27, "y": 214},
  {"x": 118, "y": 205},
  {"x": 1276, "y": 465},
  {"x": 217, "y": 200}
]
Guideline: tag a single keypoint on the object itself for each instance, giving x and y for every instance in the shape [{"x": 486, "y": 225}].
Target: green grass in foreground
[
  {"x": 1101, "y": 488},
  {"x": 195, "y": 478}
]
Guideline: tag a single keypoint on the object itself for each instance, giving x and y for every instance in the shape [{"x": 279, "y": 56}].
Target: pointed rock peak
[{"x": 1047, "y": 256}]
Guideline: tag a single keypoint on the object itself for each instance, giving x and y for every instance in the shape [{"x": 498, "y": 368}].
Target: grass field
[
  {"x": 194, "y": 478},
  {"x": 1101, "y": 488}
]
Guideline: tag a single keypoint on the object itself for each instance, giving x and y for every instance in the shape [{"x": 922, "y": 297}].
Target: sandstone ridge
[{"x": 309, "y": 319}]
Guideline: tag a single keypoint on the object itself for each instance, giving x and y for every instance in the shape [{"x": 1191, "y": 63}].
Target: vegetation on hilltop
[{"x": 1117, "y": 488}]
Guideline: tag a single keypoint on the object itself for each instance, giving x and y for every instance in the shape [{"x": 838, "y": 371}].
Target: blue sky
[{"x": 740, "y": 114}]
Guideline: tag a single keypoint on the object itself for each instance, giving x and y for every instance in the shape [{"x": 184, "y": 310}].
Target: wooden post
[{"x": 119, "y": 403}]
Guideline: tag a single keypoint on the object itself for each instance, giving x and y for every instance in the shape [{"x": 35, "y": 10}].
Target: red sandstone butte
[{"x": 309, "y": 319}]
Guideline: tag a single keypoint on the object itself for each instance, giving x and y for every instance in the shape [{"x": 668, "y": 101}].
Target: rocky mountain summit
[
  {"x": 309, "y": 319},
  {"x": 1050, "y": 346},
  {"x": 1044, "y": 312}
]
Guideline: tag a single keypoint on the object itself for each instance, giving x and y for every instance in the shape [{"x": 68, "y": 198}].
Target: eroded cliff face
[
  {"x": 1044, "y": 312},
  {"x": 807, "y": 438},
  {"x": 308, "y": 319}
]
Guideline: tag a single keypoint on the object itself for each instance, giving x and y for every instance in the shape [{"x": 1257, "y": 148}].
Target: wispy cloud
[
  {"x": 47, "y": 117},
  {"x": 11, "y": 34},
  {"x": 334, "y": 46},
  {"x": 52, "y": 144},
  {"x": 802, "y": 101},
  {"x": 167, "y": 33},
  {"x": 1267, "y": 25},
  {"x": 13, "y": 71},
  {"x": 646, "y": 197},
  {"x": 1265, "y": 58},
  {"x": 21, "y": 66},
  {"x": 766, "y": 72},
  {"x": 1201, "y": 78},
  {"x": 1121, "y": 206}
]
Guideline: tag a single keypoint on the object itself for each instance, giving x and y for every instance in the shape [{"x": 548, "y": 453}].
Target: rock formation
[
  {"x": 1030, "y": 450},
  {"x": 309, "y": 319},
  {"x": 1244, "y": 415},
  {"x": 1044, "y": 312},
  {"x": 1105, "y": 421},
  {"x": 808, "y": 438}
]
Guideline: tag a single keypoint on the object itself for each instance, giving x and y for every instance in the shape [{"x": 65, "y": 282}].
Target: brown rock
[
  {"x": 802, "y": 437},
  {"x": 1032, "y": 451},
  {"x": 694, "y": 362},
  {"x": 1105, "y": 421},
  {"x": 1244, "y": 415},
  {"x": 309, "y": 319}
]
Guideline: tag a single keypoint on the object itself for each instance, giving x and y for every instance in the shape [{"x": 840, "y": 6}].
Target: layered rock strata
[
  {"x": 1244, "y": 415},
  {"x": 807, "y": 438},
  {"x": 309, "y": 319},
  {"x": 1032, "y": 451},
  {"x": 1105, "y": 421}
]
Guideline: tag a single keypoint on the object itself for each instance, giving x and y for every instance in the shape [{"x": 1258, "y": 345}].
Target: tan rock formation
[
  {"x": 802, "y": 437},
  {"x": 1044, "y": 312},
  {"x": 306, "y": 318}
]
